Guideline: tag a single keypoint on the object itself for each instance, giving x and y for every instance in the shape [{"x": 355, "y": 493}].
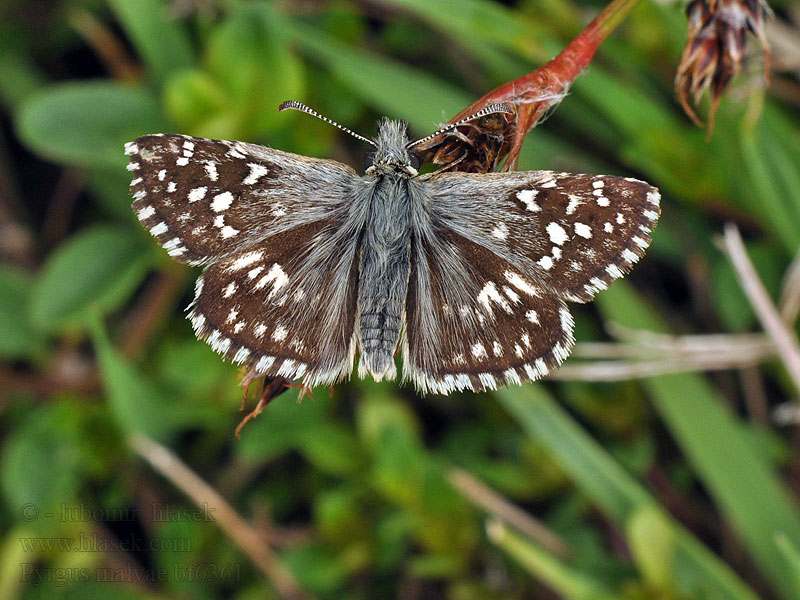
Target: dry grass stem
[
  {"x": 784, "y": 338},
  {"x": 202, "y": 494},
  {"x": 646, "y": 354},
  {"x": 486, "y": 498},
  {"x": 790, "y": 292}
]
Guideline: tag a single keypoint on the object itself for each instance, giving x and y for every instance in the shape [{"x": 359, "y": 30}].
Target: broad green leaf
[
  {"x": 162, "y": 40},
  {"x": 197, "y": 103},
  {"x": 18, "y": 337},
  {"x": 249, "y": 56},
  {"x": 87, "y": 123},
  {"x": 715, "y": 443},
  {"x": 138, "y": 404},
  {"x": 95, "y": 270},
  {"x": 41, "y": 463}
]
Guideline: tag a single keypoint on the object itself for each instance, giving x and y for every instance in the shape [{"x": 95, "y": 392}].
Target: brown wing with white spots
[
  {"x": 284, "y": 306},
  {"x": 206, "y": 199},
  {"x": 474, "y": 321},
  {"x": 577, "y": 233}
]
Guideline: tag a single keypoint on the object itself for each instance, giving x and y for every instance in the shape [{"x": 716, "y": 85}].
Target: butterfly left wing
[{"x": 509, "y": 249}]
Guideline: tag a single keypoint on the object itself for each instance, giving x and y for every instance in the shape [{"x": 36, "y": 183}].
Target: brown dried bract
[{"x": 716, "y": 48}]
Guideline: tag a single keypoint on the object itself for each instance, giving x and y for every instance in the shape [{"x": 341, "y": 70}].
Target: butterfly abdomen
[{"x": 383, "y": 281}]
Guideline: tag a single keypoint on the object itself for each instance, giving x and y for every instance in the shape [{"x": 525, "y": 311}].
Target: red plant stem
[{"x": 534, "y": 93}]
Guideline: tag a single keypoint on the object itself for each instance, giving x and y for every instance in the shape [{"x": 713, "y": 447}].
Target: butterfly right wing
[{"x": 206, "y": 199}]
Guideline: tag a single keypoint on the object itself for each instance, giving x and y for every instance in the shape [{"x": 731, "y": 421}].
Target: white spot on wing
[
  {"x": 275, "y": 275},
  {"x": 479, "y": 351},
  {"x": 197, "y": 194},
  {"x": 280, "y": 333},
  {"x": 256, "y": 172},
  {"x": 519, "y": 283},
  {"x": 246, "y": 260},
  {"x": 528, "y": 198},
  {"x": 500, "y": 231},
  {"x": 583, "y": 230},
  {"x": 222, "y": 202},
  {"x": 557, "y": 233},
  {"x": 546, "y": 263},
  {"x": 211, "y": 170}
]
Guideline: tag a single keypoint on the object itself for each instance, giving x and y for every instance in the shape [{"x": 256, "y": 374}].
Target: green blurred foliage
[{"x": 662, "y": 488}]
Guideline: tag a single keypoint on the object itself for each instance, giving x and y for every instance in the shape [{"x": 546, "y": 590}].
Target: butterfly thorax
[{"x": 391, "y": 157}]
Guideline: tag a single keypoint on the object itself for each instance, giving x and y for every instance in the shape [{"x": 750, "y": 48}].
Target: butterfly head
[{"x": 391, "y": 155}]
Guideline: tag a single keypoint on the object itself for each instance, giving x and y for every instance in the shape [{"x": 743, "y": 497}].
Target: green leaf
[
  {"x": 566, "y": 581},
  {"x": 161, "y": 40},
  {"x": 791, "y": 555},
  {"x": 480, "y": 22},
  {"x": 87, "y": 124},
  {"x": 18, "y": 337},
  {"x": 332, "y": 448},
  {"x": 95, "y": 270},
  {"x": 651, "y": 541},
  {"x": 249, "y": 56}
]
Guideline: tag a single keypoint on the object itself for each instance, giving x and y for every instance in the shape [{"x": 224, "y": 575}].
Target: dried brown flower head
[{"x": 716, "y": 47}]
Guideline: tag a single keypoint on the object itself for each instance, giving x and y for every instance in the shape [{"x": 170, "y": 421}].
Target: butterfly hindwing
[
  {"x": 205, "y": 199},
  {"x": 477, "y": 322},
  {"x": 284, "y": 306}
]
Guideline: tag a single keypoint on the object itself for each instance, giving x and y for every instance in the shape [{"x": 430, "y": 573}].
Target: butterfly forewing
[
  {"x": 205, "y": 199},
  {"x": 576, "y": 233}
]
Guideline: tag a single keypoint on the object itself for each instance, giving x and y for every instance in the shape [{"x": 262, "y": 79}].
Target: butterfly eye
[
  {"x": 369, "y": 159},
  {"x": 414, "y": 159}
]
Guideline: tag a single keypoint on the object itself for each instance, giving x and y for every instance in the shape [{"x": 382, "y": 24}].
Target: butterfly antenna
[
  {"x": 295, "y": 105},
  {"x": 486, "y": 110}
]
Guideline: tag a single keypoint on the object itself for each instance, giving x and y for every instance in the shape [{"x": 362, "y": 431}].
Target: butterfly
[{"x": 310, "y": 265}]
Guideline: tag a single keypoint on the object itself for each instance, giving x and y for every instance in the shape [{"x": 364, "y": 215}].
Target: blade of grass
[
  {"x": 389, "y": 86},
  {"x": 566, "y": 581},
  {"x": 610, "y": 487},
  {"x": 614, "y": 491},
  {"x": 739, "y": 479}
]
